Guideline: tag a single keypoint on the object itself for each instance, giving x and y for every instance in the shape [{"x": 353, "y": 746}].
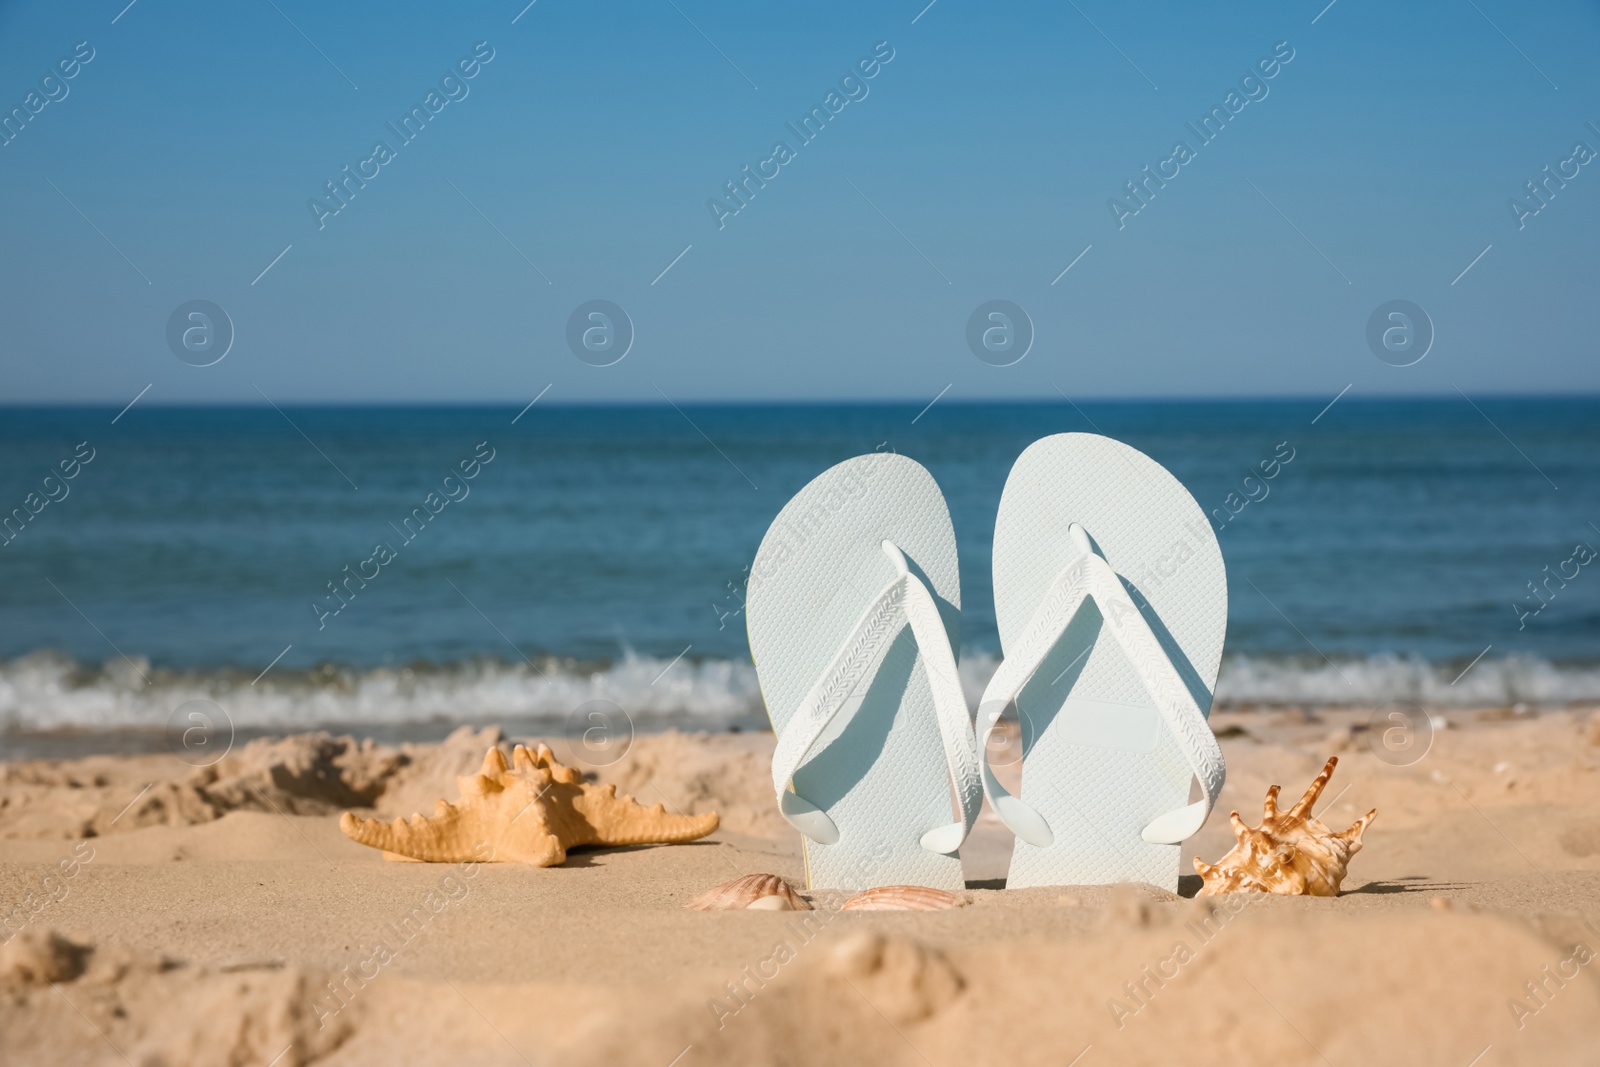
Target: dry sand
[{"x": 201, "y": 920}]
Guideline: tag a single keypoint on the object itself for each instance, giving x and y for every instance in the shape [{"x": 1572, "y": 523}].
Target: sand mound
[
  {"x": 304, "y": 774},
  {"x": 155, "y": 1012},
  {"x": 321, "y": 774},
  {"x": 39, "y": 956},
  {"x": 904, "y": 979},
  {"x": 310, "y": 773}
]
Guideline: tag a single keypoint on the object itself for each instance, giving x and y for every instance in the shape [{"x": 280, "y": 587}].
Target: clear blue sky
[{"x": 988, "y": 148}]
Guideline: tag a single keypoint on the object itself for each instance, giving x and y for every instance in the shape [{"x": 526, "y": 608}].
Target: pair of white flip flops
[{"x": 1112, "y": 605}]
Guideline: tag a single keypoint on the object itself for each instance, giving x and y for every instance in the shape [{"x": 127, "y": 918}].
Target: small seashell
[
  {"x": 902, "y": 898},
  {"x": 753, "y": 892},
  {"x": 1291, "y": 852}
]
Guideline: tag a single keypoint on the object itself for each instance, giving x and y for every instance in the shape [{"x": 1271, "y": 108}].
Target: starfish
[{"x": 531, "y": 812}]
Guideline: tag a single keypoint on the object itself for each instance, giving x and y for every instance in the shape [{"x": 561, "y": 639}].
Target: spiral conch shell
[
  {"x": 902, "y": 898},
  {"x": 753, "y": 892},
  {"x": 529, "y": 811},
  {"x": 1291, "y": 852}
]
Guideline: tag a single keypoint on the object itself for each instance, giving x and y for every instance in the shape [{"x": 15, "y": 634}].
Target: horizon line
[{"x": 1220, "y": 398}]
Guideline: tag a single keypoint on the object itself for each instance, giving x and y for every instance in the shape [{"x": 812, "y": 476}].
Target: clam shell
[
  {"x": 902, "y": 898},
  {"x": 753, "y": 892}
]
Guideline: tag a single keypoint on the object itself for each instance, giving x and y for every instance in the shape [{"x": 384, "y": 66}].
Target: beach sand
[{"x": 201, "y": 920}]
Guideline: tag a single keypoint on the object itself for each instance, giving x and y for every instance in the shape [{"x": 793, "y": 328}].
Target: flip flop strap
[
  {"x": 1089, "y": 575},
  {"x": 904, "y": 600}
]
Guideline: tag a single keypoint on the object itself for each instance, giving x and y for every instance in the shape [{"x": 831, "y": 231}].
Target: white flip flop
[
  {"x": 1112, "y": 605},
  {"x": 853, "y": 617}
]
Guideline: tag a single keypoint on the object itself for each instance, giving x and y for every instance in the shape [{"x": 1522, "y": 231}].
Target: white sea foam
[
  {"x": 46, "y": 691},
  {"x": 1377, "y": 679},
  {"x": 1368, "y": 680}
]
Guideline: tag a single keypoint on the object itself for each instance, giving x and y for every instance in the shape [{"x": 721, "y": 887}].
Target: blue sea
[{"x": 1436, "y": 550}]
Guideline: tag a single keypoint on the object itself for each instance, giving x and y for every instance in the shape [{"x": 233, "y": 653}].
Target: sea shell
[
  {"x": 902, "y": 898},
  {"x": 531, "y": 812},
  {"x": 1290, "y": 852},
  {"x": 753, "y": 892}
]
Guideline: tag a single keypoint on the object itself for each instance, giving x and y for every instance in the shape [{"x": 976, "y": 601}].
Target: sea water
[{"x": 386, "y": 566}]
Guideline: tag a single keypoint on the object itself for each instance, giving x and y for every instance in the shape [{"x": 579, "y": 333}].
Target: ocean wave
[
  {"x": 1383, "y": 678},
  {"x": 1280, "y": 681},
  {"x": 46, "y": 691},
  {"x": 49, "y": 691}
]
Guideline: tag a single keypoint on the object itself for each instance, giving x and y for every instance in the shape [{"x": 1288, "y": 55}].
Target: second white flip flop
[{"x": 1112, "y": 605}]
